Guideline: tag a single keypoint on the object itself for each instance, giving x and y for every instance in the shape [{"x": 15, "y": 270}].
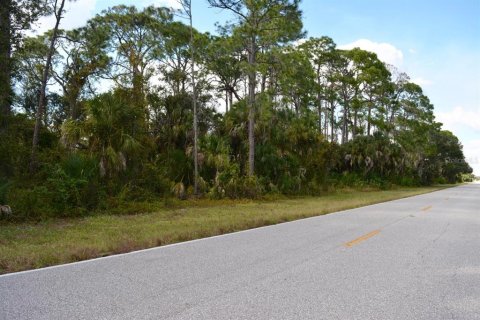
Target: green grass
[{"x": 33, "y": 245}]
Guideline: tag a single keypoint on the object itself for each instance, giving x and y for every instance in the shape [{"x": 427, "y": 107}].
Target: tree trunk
[
  {"x": 41, "y": 100},
  {"x": 245, "y": 87},
  {"x": 226, "y": 101},
  {"x": 369, "y": 117},
  {"x": 344, "y": 125},
  {"x": 347, "y": 117},
  {"x": 392, "y": 115},
  {"x": 264, "y": 82},
  {"x": 251, "y": 107},
  {"x": 295, "y": 105},
  {"x": 343, "y": 128},
  {"x": 332, "y": 120},
  {"x": 195, "y": 116},
  {"x": 319, "y": 100},
  {"x": 355, "y": 120},
  {"x": 5, "y": 60},
  {"x": 325, "y": 121},
  {"x": 72, "y": 93}
]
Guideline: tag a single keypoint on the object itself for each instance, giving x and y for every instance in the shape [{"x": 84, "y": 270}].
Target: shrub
[
  {"x": 230, "y": 183},
  {"x": 67, "y": 192},
  {"x": 75, "y": 186},
  {"x": 153, "y": 178},
  {"x": 244, "y": 187},
  {"x": 31, "y": 203}
]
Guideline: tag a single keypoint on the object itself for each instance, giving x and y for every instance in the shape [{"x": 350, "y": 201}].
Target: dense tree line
[{"x": 126, "y": 108}]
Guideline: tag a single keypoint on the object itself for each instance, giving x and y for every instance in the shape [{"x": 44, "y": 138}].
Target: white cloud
[
  {"x": 175, "y": 4},
  {"x": 385, "y": 51},
  {"x": 422, "y": 81},
  {"x": 460, "y": 118}
]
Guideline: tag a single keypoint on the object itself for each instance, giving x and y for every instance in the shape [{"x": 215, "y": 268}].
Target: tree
[
  {"x": 15, "y": 16},
  {"x": 296, "y": 79},
  {"x": 320, "y": 52},
  {"x": 175, "y": 58},
  {"x": 347, "y": 86},
  {"x": 58, "y": 11},
  {"x": 83, "y": 56},
  {"x": 372, "y": 79},
  {"x": 224, "y": 58},
  {"x": 137, "y": 40},
  {"x": 261, "y": 23},
  {"x": 376, "y": 80},
  {"x": 187, "y": 8},
  {"x": 31, "y": 57},
  {"x": 449, "y": 153},
  {"x": 5, "y": 52}
]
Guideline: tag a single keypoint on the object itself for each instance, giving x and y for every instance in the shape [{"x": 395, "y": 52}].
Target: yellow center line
[
  {"x": 426, "y": 208},
  {"x": 362, "y": 238}
]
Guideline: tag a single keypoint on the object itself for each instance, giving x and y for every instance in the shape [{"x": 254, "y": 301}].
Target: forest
[{"x": 138, "y": 105}]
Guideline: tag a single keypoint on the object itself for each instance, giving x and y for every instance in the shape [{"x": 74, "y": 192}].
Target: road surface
[{"x": 416, "y": 258}]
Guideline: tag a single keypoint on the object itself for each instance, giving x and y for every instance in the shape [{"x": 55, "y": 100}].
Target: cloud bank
[{"x": 385, "y": 51}]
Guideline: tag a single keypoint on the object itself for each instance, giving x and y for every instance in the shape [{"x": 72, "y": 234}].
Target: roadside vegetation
[
  {"x": 31, "y": 245},
  {"x": 95, "y": 119}
]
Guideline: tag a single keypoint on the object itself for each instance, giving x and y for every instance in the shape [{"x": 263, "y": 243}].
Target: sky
[{"x": 436, "y": 42}]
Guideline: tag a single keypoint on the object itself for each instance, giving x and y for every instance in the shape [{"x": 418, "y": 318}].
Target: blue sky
[{"x": 436, "y": 42}]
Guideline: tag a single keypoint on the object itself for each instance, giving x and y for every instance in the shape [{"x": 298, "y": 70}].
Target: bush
[
  {"x": 231, "y": 184},
  {"x": 74, "y": 186},
  {"x": 69, "y": 188},
  {"x": 31, "y": 203},
  {"x": 243, "y": 187},
  {"x": 153, "y": 179},
  {"x": 67, "y": 193}
]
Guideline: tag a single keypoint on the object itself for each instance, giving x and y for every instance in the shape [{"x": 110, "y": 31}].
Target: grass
[{"x": 33, "y": 245}]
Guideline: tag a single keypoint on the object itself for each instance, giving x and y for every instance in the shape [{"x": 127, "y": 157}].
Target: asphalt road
[{"x": 416, "y": 258}]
